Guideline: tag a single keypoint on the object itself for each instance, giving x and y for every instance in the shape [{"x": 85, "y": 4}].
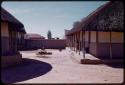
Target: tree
[
  {"x": 77, "y": 24},
  {"x": 49, "y": 35}
]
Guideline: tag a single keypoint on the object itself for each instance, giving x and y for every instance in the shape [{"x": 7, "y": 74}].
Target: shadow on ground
[
  {"x": 118, "y": 65},
  {"x": 28, "y": 69},
  {"x": 43, "y": 56}
]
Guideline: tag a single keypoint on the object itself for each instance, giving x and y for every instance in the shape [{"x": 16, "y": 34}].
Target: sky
[{"x": 40, "y": 16}]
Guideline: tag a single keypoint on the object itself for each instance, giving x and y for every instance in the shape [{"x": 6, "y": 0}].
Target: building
[
  {"x": 33, "y": 41},
  {"x": 10, "y": 28},
  {"x": 100, "y": 33},
  {"x": 54, "y": 43},
  {"x": 65, "y": 37},
  {"x": 20, "y": 40}
]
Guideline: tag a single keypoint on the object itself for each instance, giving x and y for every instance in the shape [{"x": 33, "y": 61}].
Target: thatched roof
[
  {"x": 7, "y": 17},
  {"x": 108, "y": 17}
]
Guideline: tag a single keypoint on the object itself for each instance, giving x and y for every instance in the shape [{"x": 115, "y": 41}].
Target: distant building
[
  {"x": 33, "y": 41},
  {"x": 12, "y": 30},
  {"x": 33, "y": 36},
  {"x": 36, "y": 41},
  {"x": 54, "y": 43}
]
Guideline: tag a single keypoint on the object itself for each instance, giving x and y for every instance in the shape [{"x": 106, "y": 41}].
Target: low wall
[
  {"x": 11, "y": 60},
  {"x": 93, "y": 49},
  {"x": 103, "y": 50},
  {"x": 5, "y": 48},
  {"x": 33, "y": 44},
  {"x": 54, "y": 44},
  {"x": 47, "y": 44},
  {"x": 117, "y": 50}
]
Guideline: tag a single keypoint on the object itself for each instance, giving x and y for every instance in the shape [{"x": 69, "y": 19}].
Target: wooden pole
[
  {"x": 97, "y": 42},
  {"x": 89, "y": 39},
  {"x": 84, "y": 44},
  {"x": 70, "y": 41},
  {"x": 79, "y": 42},
  {"x": 110, "y": 46},
  {"x": 83, "y": 41},
  {"x": 73, "y": 44},
  {"x": 76, "y": 42}
]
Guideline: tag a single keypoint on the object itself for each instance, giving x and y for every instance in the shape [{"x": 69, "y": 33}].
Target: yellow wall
[
  {"x": 4, "y": 29},
  {"x": 104, "y": 37},
  {"x": 93, "y": 36},
  {"x": 117, "y": 37}
]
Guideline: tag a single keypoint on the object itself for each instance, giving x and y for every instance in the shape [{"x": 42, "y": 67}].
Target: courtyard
[
  {"x": 60, "y": 67},
  {"x": 84, "y": 42}
]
